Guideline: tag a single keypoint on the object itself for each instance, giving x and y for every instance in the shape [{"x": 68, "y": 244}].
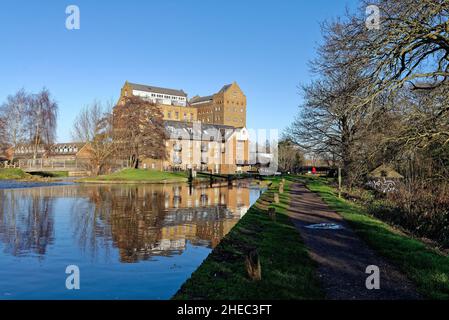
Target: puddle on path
[{"x": 325, "y": 226}]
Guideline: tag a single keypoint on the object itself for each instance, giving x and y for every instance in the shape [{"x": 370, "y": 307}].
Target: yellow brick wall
[{"x": 227, "y": 108}]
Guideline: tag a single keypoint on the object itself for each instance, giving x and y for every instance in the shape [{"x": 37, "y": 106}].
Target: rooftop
[
  {"x": 198, "y": 99},
  {"x": 173, "y": 92}
]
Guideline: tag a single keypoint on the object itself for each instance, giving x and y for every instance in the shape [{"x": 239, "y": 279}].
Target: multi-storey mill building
[{"x": 206, "y": 133}]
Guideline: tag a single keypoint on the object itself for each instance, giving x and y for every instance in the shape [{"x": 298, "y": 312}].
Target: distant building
[
  {"x": 70, "y": 151},
  {"x": 226, "y": 107},
  {"x": 173, "y": 103}
]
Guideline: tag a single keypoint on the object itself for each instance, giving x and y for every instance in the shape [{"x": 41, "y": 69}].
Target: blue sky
[{"x": 194, "y": 45}]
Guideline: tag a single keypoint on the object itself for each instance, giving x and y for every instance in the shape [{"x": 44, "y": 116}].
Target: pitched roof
[
  {"x": 173, "y": 92},
  {"x": 225, "y": 88},
  {"x": 198, "y": 99},
  {"x": 385, "y": 171}
]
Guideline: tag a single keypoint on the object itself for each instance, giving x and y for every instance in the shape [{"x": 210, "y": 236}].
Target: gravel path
[{"x": 341, "y": 255}]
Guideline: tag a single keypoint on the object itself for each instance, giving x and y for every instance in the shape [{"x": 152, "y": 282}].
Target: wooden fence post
[
  {"x": 276, "y": 198},
  {"x": 272, "y": 213},
  {"x": 253, "y": 267}
]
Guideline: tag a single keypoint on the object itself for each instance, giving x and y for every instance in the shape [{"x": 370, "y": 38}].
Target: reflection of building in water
[
  {"x": 141, "y": 221},
  {"x": 169, "y": 216}
]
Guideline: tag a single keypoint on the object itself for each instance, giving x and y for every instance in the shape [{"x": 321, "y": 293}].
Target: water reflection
[
  {"x": 139, "y": 221},
  {"x": 26, "y": 223}
]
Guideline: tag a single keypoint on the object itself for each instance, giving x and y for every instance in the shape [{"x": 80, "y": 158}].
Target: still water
[{"x": 129, "y": 242}]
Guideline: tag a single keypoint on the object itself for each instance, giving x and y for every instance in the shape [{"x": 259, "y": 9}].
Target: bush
[{"x": 422, "y": 210}]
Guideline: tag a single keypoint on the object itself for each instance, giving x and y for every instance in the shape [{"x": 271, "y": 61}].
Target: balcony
[
  {"x": 177, "y": 160},
  {"x": 177, "y": 147},
  {"x": 241, "y": 162}
]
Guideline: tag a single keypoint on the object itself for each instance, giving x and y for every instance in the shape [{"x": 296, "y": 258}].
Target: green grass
[
  {"x": 287, "y": 270},
  {"x": 140, "y": 175},
  {"x": 13, "y": 174},
  {"x": 428, "y": 269}
]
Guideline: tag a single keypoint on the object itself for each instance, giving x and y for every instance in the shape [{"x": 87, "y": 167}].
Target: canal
[{"x": 129, "y": 242}]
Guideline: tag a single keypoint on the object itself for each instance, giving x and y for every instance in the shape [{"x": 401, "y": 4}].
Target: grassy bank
[
  {"x": 139, "y": 176},
  {"x": 428, "y": 269},
  {"x": 287, "y": 270},
  {"x": 13, "y": 174}
]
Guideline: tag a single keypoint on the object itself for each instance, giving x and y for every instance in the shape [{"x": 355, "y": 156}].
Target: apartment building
[
  {"x": 226, "y": 107},
  {"x": 206, "y": 133}
]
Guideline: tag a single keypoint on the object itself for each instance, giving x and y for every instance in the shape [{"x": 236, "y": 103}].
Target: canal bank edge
[{"x": 287, "y": 272}]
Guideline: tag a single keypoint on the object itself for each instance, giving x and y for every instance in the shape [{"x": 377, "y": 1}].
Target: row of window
[
  {"x": 207, "y": 111},
  {"x": 231, "y": 102},
  {"x": 156, "y": 95},
  {"x": 185, "y": 116},
  {"x": 64, "y": 149}
]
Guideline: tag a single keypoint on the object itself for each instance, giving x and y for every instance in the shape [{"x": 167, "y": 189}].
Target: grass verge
[
  {"x": 287, "y": 270},
  {"x": 13, "y": 174},
  {"x": 428, "y": 269},
  {"x": 138, "y": 176}
]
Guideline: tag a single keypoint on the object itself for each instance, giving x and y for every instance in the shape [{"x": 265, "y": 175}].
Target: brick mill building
[{"x": 206, "y": 132}]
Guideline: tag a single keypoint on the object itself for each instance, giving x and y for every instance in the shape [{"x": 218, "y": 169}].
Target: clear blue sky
[{"x": 195, "y": 45}]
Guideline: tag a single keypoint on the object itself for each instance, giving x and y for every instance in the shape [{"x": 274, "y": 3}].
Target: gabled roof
[
  {"x": 385, "y": 171},
  {"x": 142, "y": 87}
]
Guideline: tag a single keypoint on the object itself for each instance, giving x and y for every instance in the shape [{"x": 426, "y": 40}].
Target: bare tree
[
  {"x": 139, "y": 130},
  {"x": 13, "y": 112},
  {"x": 41, "y": 121},
  {"x": 93, "y": 126},
  {"x": 3, "y": 135},
  {"x": 329, "y": 125},
  {"x": 410, "y": 49},
  {"x": 290, "y": 157}
]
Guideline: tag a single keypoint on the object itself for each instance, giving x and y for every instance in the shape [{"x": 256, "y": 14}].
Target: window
[
  {"x": 169, "y": 115},
  {"x": 177, "y": 115}
]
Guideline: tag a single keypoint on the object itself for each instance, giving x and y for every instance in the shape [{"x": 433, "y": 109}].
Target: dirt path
[{"x": 341, "y": 255}]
